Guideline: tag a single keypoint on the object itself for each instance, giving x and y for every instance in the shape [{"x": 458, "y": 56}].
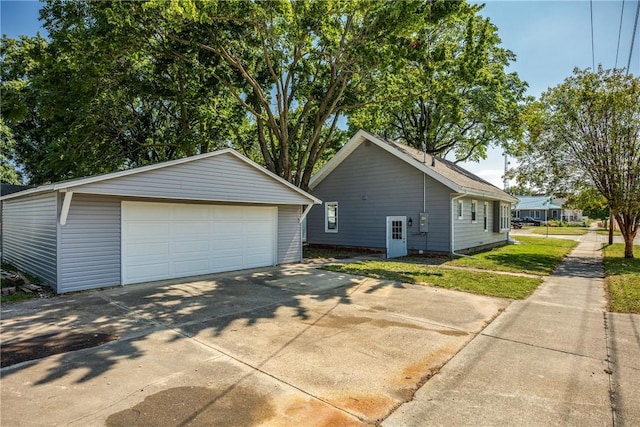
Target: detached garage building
[{"x": 210, "y": 213}]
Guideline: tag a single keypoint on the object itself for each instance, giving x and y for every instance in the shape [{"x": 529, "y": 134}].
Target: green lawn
[
  {"x": 499, "y": 285},
  {"x": 557, "y": 231},
  {"x": 606, "y": 232},
  {"x": 535, "y": 255},
  {"x": 622, "y": 279},
  {"x": 17, "y": 297}
]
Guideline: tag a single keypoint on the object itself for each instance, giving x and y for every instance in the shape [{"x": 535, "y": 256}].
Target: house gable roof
[
  {"x": 535, "y": 203},
  {"x": 71, "y": 184},
  {"x": 447, "y": 173},
  {"x": 6, "y": 189}
]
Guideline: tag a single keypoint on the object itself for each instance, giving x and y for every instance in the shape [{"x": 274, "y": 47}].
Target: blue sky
[{"x": 549, "y": 38}]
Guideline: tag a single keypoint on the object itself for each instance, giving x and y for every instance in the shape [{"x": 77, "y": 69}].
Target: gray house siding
[
  {"x": 90, "y": 244},
  {"x": 470, "y": 234},
  {"x": 369, "y": 185},
  {"x": 289, "y": 243},
  {"x": 223, "y": 178},
  {"x": 29, "y": 235}
]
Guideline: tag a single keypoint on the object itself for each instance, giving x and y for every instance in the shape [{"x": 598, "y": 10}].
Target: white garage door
[{"x": 169, "y": 240}]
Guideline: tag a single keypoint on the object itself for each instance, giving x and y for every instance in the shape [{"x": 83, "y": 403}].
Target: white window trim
[
  {"x": 485, "y": 218},
  {"x": 505, "y": 217},
  {"x": 474, "y": 210},
  {"x": 326, "y": 217},
  {"x": 460, "y": 209}
]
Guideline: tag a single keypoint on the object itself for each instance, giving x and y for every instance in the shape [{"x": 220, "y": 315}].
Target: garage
[
  {"x": 202, "y": 214},
  {"x": 171, "y": 240}
]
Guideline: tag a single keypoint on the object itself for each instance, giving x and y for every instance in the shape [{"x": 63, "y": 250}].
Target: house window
[
  {"x": 474, "y": 208},
  {"x": 331, "y": 217},
  {"x": 536, "y": 214},
  {"x": 505, "y": 216},
  {"x": 485, "y": 215},
  {"x": 460, "y": 208}
]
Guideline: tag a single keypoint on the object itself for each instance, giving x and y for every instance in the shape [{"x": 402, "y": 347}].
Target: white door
[
  {"x": 396, "y": 236},
  {"x": 170, "y": 240}
]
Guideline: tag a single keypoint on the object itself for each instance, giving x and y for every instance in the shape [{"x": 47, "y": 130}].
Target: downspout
[{"x": 453, "y": 252}]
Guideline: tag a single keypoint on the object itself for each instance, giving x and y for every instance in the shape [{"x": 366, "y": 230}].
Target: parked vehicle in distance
[{"x": 529, "y": 220}]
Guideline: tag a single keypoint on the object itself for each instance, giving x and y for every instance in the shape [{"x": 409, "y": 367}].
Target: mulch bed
[{"x": 49, "y": 344}]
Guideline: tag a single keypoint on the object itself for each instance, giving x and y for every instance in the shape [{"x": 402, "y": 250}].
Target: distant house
[
  {"x": 543, "y": 208},
  {"x": 386, "y": 196}
]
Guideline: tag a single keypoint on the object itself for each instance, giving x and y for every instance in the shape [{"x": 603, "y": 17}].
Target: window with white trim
[
  {"x": 485, "y": 216},
  {"x": 474, "y": 209},
  {"x": 460, "y": 209},
  {"x": 505, "y": 217},
  {"x": 331, "y": 217}
]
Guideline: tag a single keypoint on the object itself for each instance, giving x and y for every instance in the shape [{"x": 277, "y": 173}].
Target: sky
[{"x": 549, "y": 38}]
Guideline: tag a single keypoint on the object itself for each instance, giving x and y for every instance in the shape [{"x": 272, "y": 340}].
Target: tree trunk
[
  {"x": 610, "y": 228},
  {"x": 628, "y": 246},
  {"x": 628, "y": 229}
]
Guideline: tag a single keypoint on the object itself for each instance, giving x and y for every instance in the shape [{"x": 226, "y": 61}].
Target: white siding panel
[
  {"x": 90, "y": 244},
  {"x": 29, "y": 235},
  {"x": 469, "y": 234},
  {"x": 289, "y": 234},
  {"x": 222, "y": 178}
]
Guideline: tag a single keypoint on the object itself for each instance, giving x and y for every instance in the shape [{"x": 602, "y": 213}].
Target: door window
[{"x": 396, "y": 230}]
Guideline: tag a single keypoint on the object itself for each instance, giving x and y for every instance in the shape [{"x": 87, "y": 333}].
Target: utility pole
[{"x": 505, "y": 179}]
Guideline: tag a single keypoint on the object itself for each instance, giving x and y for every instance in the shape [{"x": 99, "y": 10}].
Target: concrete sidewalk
[{"x": 557, "y": 358}]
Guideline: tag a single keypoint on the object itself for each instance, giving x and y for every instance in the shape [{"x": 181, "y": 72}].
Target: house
[
  {"x": 543, "y": 207},
  {"x": 386, "y": 196},
  {"x": 209, "y": 213}
]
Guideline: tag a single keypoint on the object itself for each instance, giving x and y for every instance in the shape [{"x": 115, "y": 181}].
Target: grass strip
[
  {"x": 622, "y": 279},
  {"x": 534, "y": 255},
  {"x": 481, "y": 283},
  {"x": 560, "y": 231}
]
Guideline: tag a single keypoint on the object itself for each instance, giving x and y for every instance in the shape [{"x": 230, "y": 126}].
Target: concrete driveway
[{"x": 291, "y": 345}]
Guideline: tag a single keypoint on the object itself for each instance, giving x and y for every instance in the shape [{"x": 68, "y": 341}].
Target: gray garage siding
[
  {"x": 289, "y": 243},
  {"x": 90, "y": 244},
  {"x": 469, "y": 234},
  {"x": 29, "y": 235},
  {"x": 219, "y": 178},
  {"x": 371, "y": 184}
]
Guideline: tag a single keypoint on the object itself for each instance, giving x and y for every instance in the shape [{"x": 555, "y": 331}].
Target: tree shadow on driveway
[{"x": 130, "y": 314}]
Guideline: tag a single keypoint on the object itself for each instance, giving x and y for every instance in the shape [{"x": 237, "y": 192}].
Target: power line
[
  {"x": 593, "y": 52},
  {"x": 633, "y": 37},
  {"x": 619, "y": 33}
]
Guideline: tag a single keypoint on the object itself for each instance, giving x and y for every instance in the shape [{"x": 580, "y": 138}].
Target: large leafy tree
[
  {"x": 463, "y": 99},
  {"x": 300, "y": 67},
  {"x": 8, "y": 172},
  {"x": 108, "y": 91},
  {"x": 586, "y": 132},
  {"x": 121, "y": 84}
]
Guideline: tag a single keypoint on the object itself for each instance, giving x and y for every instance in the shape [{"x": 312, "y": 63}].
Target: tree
[
  {"x": 109, "y": 92},
  {"x": 586, "y": 132},
  {"x": 8, "y": 173},
  {"x": 300, "y": 67},
  {"x": 591, "y": 202},
  {"x": 521, "y": 190},
  {"x": 462, "y": 98}
]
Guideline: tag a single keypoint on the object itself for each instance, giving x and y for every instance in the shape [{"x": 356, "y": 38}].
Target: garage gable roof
[
  {"x": 447, "y": 173},
  {"x": 70, "y": 185}
]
